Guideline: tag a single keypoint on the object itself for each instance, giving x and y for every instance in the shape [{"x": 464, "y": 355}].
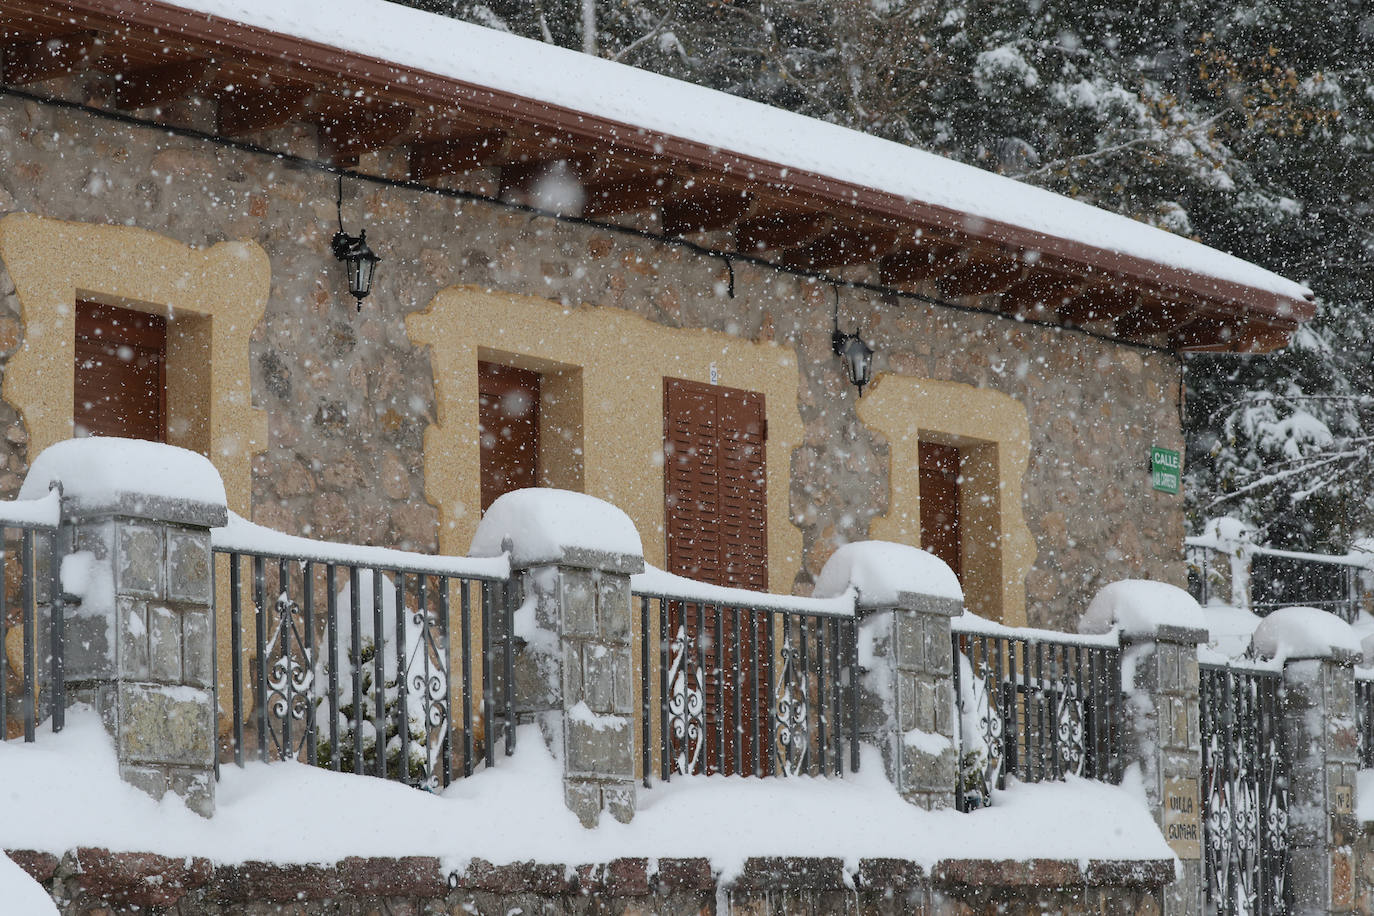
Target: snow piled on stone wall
[{"x": 64, "y": 791}]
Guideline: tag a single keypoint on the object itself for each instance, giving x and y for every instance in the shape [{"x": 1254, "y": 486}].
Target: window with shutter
[
  {"x": 508, "y": 416},
  {"x": 120, "y": 376},
  {"x": 941, "y": 533},
  {"x": 716, "y": 519}
]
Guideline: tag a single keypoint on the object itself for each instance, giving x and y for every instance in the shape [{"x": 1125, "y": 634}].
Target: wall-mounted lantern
[
  {"x": 359, "y": 261},
  {"x": 857, "y": 355}
]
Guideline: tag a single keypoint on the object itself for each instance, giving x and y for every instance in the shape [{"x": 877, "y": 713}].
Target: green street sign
[{"x": 1166, "y": 469}]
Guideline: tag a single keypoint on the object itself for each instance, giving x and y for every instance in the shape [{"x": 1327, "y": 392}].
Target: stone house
[{"x": 591, "y": 278}]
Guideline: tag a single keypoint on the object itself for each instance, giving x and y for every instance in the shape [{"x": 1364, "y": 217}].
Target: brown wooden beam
[
  {"x": 1241, "y": 337},
  {"x": 1099, "y": 303},
  {"x": 1039, "y": 295},
  {"x": 704, "y": 211},
  {"x": 348, "y": 133},
  {"x": 915, "y": 265},
  {"x": 842, "y": 248},
  {"x": 781, "y": 229},
  {"x": 160, "y": 84},
  {"x": 454, "y": 154},
  {"x": 627, "y": 194},
  {"x": 979, "y": 275},
  {"x": 34, "y": 61},
  {"x": 1153, "y": 316},
  {"x": 245, "y": 110}
]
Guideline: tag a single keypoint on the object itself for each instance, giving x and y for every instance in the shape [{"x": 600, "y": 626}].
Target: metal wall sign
[
  {"x": 1244, "y": 791},
  {"x": 1166, "y": 470}
]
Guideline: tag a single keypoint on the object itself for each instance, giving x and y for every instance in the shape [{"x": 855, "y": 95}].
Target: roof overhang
[{"x": 145, "y": 55}]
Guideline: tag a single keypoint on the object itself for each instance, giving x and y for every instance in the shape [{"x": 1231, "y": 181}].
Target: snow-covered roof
[
  {"x": 547, "y": 103},
  {"x": 639, "y": 99}
]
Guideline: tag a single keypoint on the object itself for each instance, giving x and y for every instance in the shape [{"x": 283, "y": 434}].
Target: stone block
[
  {"x": 173, "y": 725},
  {"x": 132, "y": 881},
  {"x": 619, "y": 799},
  {"x": 908, "y": 632},
  {"x": 598, "y": 677},
  {"x": 164, "y": 644},
  {"x": 138, "y": 560},
  {"x": 197, "y": 647},
  {"x": 583, "y": 799},
  {"x": 196, "y": 788},
  {"x": 944, "y": 707},
  {"x": 924, "y": 772},
  {"x": 188, "y": 566},
  {"x": 87, "y": 650},
  {"x": 152, "y": 781},
  {"x": 613, "y": 604},
  {"x": 908, "y": 716},
  {"x": 601, "y": 748},
  {"x": 939, "y": 652},
  {"x": 624, "y": 672},
  {"x": 573, "y": 690},
  {"x": 577, "y": 593}
]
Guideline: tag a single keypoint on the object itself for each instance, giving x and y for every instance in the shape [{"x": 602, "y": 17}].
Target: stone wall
[
  {"x": 87, "y": 882},
  {"x": 349, "y": 396}
]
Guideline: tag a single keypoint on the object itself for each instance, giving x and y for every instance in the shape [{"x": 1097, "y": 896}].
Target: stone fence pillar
[
  {"x": 1322, "y": 741},
  {"x": 139, "y": 629},
  {"x": 1161, "y": 736},
  {"x": 908, "y": 710},
  {"x": 574, "y": 555},
  {"x": 1160, "y": 627}
]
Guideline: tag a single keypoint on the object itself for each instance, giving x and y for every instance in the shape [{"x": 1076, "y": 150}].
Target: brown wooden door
[
  {"x": 716, "y": 520},
  {"x": 120, "y": 373},
  {"x": 939, "y": 483},
  {"x": 508, "y": 418}
]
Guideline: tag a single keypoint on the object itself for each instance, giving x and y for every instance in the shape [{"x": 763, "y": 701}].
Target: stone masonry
[
  {"x": 1323, "y": 747},
  {"x": 349, "y": 395},
  {"x": 1161, "y": 736},
  {"x": 139, "y": 633},
  {"x": 909, "y": 702}
]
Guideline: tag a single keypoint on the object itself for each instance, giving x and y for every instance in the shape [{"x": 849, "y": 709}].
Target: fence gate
[{"x": 1244, "y": 791}]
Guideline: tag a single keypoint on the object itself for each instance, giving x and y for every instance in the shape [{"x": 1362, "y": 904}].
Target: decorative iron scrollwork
[
  {"x": 792, "y": 715},
  {"x": 686, "y": 704},
  {"x": 980, "y": 760},
  {"x": 1070, "y": 734},
  {"x": 290, "y": 679},
  {"x": 427, "y": 700}
]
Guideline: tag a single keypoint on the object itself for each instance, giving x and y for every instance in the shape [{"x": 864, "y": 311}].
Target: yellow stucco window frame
[
  {"x": 609, "y": 365},
  {"x": 992, "y": 433},
  {"x": 212, "y": 299}
]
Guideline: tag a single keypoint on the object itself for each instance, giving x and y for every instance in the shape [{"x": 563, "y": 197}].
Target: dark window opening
[
  {"x": 508, "y": 418},
  {"x": 120, "y": 373}
]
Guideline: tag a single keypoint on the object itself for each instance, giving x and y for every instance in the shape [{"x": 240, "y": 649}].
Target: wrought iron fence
[
  {"x": 365, "y": 663},
  {"x": 1245, "y": 790},
  {"x": 30, "y": 567},
  {"x": 1364, "y": 716},
  {"x": 747, "y": 684},
  {"x": 1033, "y": 705}
]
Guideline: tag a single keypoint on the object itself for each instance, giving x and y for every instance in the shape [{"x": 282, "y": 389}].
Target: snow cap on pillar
[
  {"x": 1141, "y": 608},
  {"x": 1305, "y": 632},
  {"x": 541, "y": 526},
  {"x": 132, "y": 477}
]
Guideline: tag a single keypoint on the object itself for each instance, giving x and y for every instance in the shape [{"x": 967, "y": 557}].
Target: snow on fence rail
[
  {"x": 24, "y": 523},
  {"x": 749, "y": 683},
  {"x": 1033, "y": 704},
  {"x": 362, "y": 657}
]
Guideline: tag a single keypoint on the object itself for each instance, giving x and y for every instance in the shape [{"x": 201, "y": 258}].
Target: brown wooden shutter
[
  {"x": 508, "y": 418},
  {"x": 939, "y": 483},
  {"x": 715, "y": 490},
  {"x": 715, "y": 484},
  {"x": 120, "y": 373}
]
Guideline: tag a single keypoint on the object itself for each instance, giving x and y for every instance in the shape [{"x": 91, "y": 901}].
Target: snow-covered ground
[{"x": 64, "y": 791}]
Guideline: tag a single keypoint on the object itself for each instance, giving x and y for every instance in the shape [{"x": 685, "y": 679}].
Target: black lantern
[
  {"x": 857, "y": 355},
  {"x": 359, "y": 260}
]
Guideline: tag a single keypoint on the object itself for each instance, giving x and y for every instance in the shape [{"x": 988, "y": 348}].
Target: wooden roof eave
[{"x": 285, "y": 56}]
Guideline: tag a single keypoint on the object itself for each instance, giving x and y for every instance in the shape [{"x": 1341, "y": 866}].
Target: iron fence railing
[
  {"x": 1364, "y": 715},
  {"x": 1034, "y": 705},
  {"x": 362, "y": 659},
  {"x": 30, "y": 564},
  {"x": 1244, "y": 791},
  {"x": 747, "y": 683}
]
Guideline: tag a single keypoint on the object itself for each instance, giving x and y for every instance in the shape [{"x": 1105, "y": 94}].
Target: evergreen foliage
[{"x": 1249, "y": 127}]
